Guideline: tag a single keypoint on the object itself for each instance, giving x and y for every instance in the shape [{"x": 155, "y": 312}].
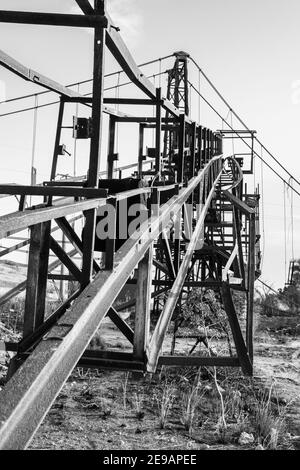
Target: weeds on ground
[
  {"x": 124, "y": 385},
  {"x": 269, "y": 423},
  {"x": 138, "y": 402},
  {"x": 164, "y": 400}
]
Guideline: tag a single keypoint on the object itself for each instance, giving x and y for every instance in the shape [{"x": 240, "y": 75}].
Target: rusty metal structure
[{"x": 201, "y": 231}]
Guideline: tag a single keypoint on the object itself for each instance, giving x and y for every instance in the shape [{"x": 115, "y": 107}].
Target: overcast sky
[{"x": 250, "y": 50}]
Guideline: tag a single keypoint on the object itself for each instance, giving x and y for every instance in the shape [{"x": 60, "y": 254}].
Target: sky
[{"x": 250, "y": 51}]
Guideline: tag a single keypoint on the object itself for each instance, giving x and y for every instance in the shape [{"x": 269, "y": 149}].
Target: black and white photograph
[{"x": 150, "y": 229}]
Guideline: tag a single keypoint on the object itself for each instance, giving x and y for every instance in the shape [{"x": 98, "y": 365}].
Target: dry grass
[
  {"x": 269, "y": 423},
  {"x": 164, "y": 400}
]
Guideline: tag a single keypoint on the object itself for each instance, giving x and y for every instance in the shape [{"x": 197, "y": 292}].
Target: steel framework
[{"x": 192, "y": 236}]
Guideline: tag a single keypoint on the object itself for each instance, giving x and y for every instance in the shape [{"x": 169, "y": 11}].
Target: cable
[
  {"x": 241, "y": 121},
  {"x": 285, "y": 232},
  {"x": 292, "y": 222},
  {"x": 221, "y": 117},
  {"x": 199, "y": 98},
  {"x": 10, "y": 113},
  {"x": 245, "y": 142},
  {"x": 262, "y": 208},
  {"x": 159, "y": 60},
  {"x": 89, "y": 80}
]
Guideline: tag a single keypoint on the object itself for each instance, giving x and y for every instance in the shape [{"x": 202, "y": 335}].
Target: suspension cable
[
  {"x": 10, "y": 113},
  {"x": 245, "y": 142},
  {"x": 199, "y": 97},
  {"x": 285, "y": 232},
  {"x": 240, "y": 120},
  {"x": 292, "y": 221},
  {"x": 201, "y": 72},
  {"x": 89, "y": 80},
  {"x": 262, "y": 208}
]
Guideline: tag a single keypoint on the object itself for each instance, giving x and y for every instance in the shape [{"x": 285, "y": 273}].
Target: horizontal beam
[
  {"x": 134, "y": 101},
  {"x": 111, "y": 364},
  {"x": 142, "y": 119},
  {"x": 17, "y": 221},
  {"x": 26, "y": 241},
  {"x": 182, "y": 361},
  {"x": 52, "y": 19},
  {"x": 65, "y": 191}
]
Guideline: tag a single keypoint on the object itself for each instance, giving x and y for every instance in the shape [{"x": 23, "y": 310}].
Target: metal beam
[
  {"x": 64, "y": 191},
  {"x": 37, "y": 271},
  {"x": 121, "y": 324},
  {"x": 127, "y": 101},
  {"x": 119, "y": 50},
  {"x": 239, "y": 204},
  {"x": 31, "y": 75},
  {"x": 52, "y": 19},
  {"x": 165, "y": 317},
  {"x": 22, "y": 286},
  {"x": 25, "y": 399},
  {"x": 142, "y": 307},
  {"x": 18, "y": 221},
  {"x": 88, "y": 238},
  {"x": 65, "y": 259},
  {"x": 197, "y": 361},
  {"x": 86, "y": 7},
  {"x": 240, "y": 345}
]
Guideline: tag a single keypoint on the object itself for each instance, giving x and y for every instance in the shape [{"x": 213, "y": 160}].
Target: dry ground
[{"x": 109, "y": 410}]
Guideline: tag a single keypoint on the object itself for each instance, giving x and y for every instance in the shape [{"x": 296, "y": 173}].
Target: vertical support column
[
  {"x": 63, "y": 284},
  {"x": 111, "y": 147},
  {"x": 193, "y": 149},
  {"x": 57, "y": 138},
  {"x": 111, "y": 240},
  {"x": 141, "y": 147},
  {"x": 37, "y": 275},
  {"x": 199, "y": 142},
  {"x": 252, "y": 152},
  {"x": 177, "y": 236},
  {"x": 237, "y": 238},
  {"x": 155, "y": 202},
  {"x": 251, "y": 280},
  {"x": 142, "y": 307},
  {"x": 204, "y": 146},
  {"x": 158, "y": 133},
  {"x": 94, "y": 160},
  {"x": 181, "y": 148},
  {"x": 241, "y": 349}
]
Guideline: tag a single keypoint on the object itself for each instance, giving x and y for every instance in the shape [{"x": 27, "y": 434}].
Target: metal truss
[{"x": 192, "y": 236}]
